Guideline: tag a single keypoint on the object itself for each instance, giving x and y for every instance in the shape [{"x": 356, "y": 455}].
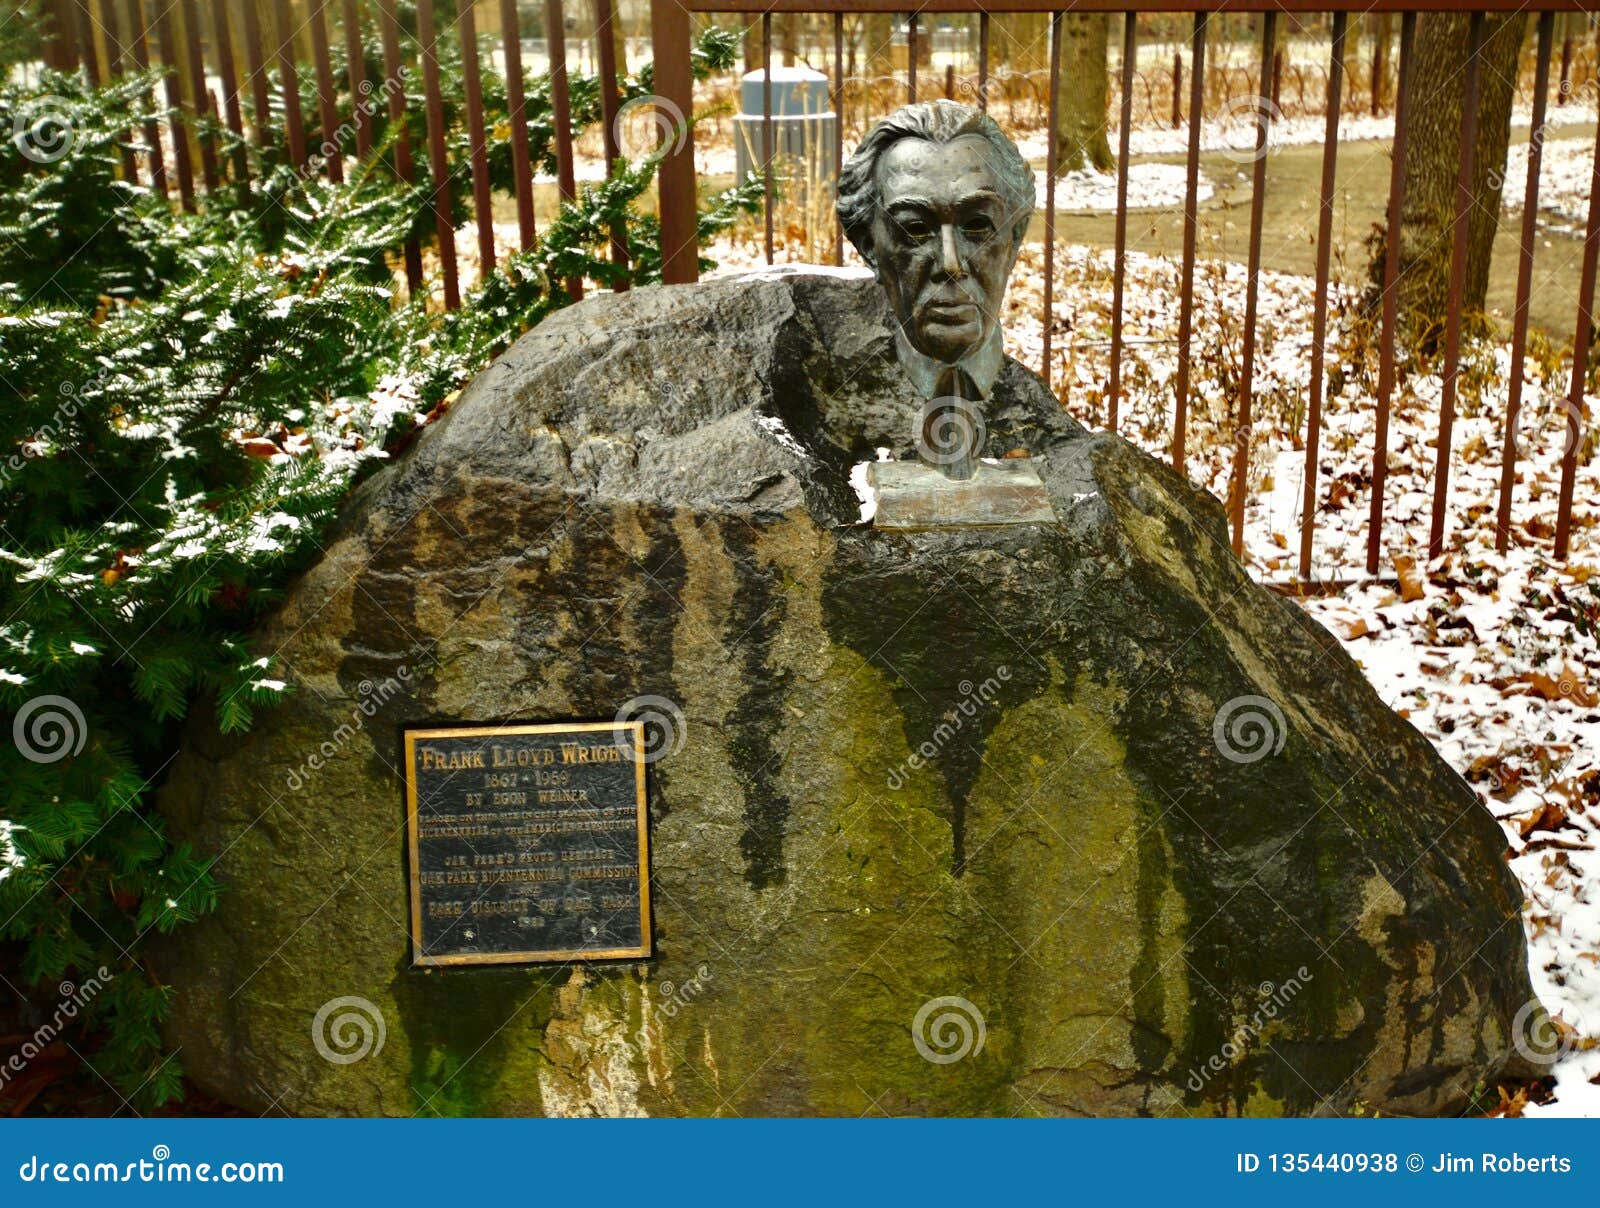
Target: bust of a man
[{"x": 937, "y": 200}]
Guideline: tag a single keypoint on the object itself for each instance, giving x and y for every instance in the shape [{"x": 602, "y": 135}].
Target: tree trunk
[
  {"x": 1081, "y": 122},
  {"x": 1433, "y": 155}
]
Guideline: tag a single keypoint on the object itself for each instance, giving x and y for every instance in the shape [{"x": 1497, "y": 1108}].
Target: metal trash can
[{"x": 804, "y": 128}]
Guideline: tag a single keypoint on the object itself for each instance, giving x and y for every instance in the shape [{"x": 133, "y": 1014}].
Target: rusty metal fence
[
  {"x": 671, "y": 28},
  {"x": 244, "y": 38}
]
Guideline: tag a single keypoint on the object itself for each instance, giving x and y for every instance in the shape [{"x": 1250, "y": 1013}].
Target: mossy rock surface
[{"x": 1010, "y": 768}]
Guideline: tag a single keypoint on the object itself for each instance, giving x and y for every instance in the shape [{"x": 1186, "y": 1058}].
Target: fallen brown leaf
[{"x": 1411, "y": 586}]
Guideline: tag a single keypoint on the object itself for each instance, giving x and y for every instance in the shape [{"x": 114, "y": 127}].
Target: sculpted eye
[
  {"x": 916, "y": 228},
  {"x": 977, "y": 227}
]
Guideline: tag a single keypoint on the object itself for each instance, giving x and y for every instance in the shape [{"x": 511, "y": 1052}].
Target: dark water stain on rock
[
  {"x": 921, "y": 609},
  {"x": 756, "y": 618}
]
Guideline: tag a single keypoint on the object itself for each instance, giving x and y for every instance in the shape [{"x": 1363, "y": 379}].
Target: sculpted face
[{"x": 942, "y": 240}]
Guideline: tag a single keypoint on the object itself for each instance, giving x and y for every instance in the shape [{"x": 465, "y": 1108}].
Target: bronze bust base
[{"x": 911, "y": 495}]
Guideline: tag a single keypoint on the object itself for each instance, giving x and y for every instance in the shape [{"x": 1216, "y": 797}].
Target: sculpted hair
[{"x": 938, "y": 122}]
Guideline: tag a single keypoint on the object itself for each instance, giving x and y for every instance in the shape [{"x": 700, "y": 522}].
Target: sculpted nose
[{"x": 949, "y": 258}]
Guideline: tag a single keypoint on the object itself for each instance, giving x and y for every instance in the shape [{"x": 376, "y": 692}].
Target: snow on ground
[
  {"x": 1565, "y": 168},
  {"x": 1496, "y": 658}
]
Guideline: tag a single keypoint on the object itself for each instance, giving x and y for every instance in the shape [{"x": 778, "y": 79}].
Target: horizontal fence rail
[{"x": 234, "y": 75}]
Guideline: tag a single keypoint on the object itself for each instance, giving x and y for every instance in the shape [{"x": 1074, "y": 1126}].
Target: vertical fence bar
[
  {"x": 169, "y": 75},
  {"x": 1566, "y": 71},
  {"x": 201, "y": 95},
  {"x": 1319, "y": 309},
  {"x": 1458, "y": 284},
  {"x": 983, "y": 62},
  {"x": 87, "y": 57},
  {"x": 911, "y": 58},
  {"x": 1130, "y": 60},
  {"x": 1391, "y": 300},
  {"x": 1519, "y": 333},
  {"x": 1238, "y": 488},
  {"x": 478, "y": 149},
  {"x": 361, "y": 103},
  {"x": 290, "y": 80},
  {"x": 60, "y": 47},
  {"x": 1050, "y": 191},
  {"x": 838, "y": 128},
  {"x": 1375, "y": 86},
  {"x": 605, "y": 37},
  {"x": 1177, "y": 89},
  {"x": 394, "y": 76},
  {"x": 766, "y": 127},
  {"x": 327, "y": 109},
  {"x": 255, "y": 63},
  {"x": 661, "y": 19},
  {"x": 517, "y": 111},
  {"x": 116, "y": 68},
  {"x": 438, "y": 158},
  {"x": 1191, "y": 223},
  {"x": 228, "y": 73},
  {"x": 1580, "y": 360},
  {"x": 138, "y": 36}
]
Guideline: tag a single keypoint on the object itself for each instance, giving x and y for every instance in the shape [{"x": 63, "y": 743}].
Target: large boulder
[{"x": 1033, "y": 819}]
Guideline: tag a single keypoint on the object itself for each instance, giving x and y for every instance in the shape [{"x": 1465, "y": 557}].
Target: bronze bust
[{"x": 937, "y": 200}]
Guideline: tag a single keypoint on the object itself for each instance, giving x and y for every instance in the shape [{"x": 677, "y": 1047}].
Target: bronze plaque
[{"x": 527, "y": 843}]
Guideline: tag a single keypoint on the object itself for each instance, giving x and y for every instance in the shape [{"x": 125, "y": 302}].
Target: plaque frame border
[{"x": 410, "y": 735}]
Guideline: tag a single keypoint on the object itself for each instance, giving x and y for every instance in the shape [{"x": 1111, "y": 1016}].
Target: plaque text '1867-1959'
[{"x": 527, "y": 843}]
